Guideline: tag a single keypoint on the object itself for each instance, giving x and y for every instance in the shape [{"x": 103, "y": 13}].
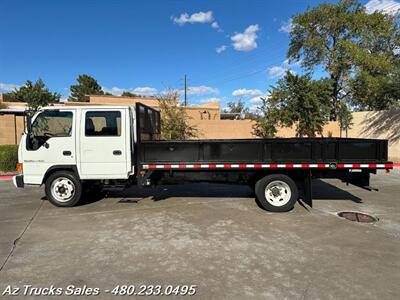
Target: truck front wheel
[
  {"x": 63, "y": 189},
  {"x": 276, "y": 192}
]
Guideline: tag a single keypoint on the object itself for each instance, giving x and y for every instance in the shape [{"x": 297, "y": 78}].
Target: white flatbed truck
[{"x": 72, "y": 148}]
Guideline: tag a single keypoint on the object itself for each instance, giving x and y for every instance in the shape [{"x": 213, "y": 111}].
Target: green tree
[
  {"x": 343, "y": 39},
  {"x": 266, "y": 121},
  {"x": 129, "y": 94},
  {"x": 376, "y": 92},
  {"x": 345, "y": 118},
  {"x": 35, "y": 94},
  {"x": 87, "y": 85},
  {"x": 375, "y": 85},
  {"x": 296, "y": 100},
  {"x": 174, "y": 120},
  {"x": 239, "y": 107}
]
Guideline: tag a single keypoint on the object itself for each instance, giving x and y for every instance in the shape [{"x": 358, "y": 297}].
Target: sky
[{"x": 229, "y": 50}]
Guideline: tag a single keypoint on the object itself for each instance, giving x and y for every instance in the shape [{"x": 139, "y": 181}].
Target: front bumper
[{"x": 18, "y": 181}]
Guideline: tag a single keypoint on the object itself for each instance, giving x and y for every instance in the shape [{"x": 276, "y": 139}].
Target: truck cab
[{"x": 92, "y": 143}]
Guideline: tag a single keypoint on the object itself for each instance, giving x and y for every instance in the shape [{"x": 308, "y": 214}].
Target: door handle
[
  {"x": 117, "y": 152},
  {"x": 67, "y": 153}
]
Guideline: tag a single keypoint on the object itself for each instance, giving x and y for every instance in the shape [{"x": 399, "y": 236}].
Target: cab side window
[
  {"x": 49, "y": 124},
  {"x": 103, "y": 123}
]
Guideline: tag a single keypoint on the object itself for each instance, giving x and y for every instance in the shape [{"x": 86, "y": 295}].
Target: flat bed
[{"x": 266, "y": 151}]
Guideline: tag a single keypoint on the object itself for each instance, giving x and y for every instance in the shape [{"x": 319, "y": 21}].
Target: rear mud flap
[{"x": 361, "y": 180}]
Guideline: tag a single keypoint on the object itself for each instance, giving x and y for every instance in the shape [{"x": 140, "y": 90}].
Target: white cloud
[
  {"x": 64, "y": 98},
  {"x": 277, "y": 71},
  {"x": 202, "y": 90},
  {"x": 200, "y": 17},
  {"x": 390, "y": 7},
  {"x": 171, "y": 91},
  {"x": 286, "y": 26},
  {"x": 246, "y": 41},
  {"x": 220, "y": 49},
  {"x": 254, "y": 108},
  {"x": 257, "y": 99},
  {"x": 208, "y": 100},
  {"x": 116, "y": 91},
  {"x": 287, "y": 63},
  {"x": 144, "y": 91},
  {"x": 8, "y": 87},
  {"x": 216, "y": 26},
  {"x": 246, "y": 93}
]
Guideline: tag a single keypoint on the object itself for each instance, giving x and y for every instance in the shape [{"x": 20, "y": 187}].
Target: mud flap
[
  {"x": 361, "y": 180},
  {"x": 307, "y": 189}
]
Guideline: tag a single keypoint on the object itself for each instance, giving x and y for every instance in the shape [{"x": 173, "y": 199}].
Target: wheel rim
[
  {"x": 62, "y": 189},
  {"x": 278, "y": 193}
]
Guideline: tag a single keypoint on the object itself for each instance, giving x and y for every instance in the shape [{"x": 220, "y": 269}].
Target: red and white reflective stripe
[
  {"x": 267, "y": 166},
  {"x": 365, "y": 166}
]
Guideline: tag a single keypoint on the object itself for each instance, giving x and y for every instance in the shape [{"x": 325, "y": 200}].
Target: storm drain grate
[
  {"x": 357, "y": 217},
  {"x": 127, "y": 200}
]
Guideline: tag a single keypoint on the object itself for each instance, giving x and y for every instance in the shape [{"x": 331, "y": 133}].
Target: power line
[
  {"x": 247, "y": 59},
  {"x": 230, "y": 77}
]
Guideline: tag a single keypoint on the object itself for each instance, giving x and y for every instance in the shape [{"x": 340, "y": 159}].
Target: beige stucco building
[
  {"x": 11, "y": 121},
  {"x": 210, "y": 125}
]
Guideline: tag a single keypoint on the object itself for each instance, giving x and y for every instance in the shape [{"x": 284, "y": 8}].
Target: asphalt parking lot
[{"x": 213, "y": 236}]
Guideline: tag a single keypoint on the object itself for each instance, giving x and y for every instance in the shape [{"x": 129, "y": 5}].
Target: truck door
[
  {"x": 103, "y": 144},
  {"x": 51, "y": 142}
]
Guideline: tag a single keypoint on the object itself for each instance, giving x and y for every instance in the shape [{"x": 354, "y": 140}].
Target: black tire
[
  {"x": 282, "y": 201},
  {"x": 62, "y": 183}
]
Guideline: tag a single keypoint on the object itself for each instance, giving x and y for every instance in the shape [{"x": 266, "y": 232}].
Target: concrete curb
[{"x": 6, "y": 177}]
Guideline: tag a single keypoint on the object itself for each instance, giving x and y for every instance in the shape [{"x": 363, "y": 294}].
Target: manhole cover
[{"x": 357, "y": 217}]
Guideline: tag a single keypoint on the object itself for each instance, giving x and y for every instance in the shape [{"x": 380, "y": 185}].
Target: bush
[{"x": 8, "y": 157}]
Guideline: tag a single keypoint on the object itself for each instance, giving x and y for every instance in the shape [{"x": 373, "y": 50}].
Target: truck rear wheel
[
  {"x": 63, "y": 189},
  {"x": 276, "y": 192}
]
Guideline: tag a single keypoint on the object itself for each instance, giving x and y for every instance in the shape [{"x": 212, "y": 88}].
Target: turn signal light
[{"x": 19, "y": 167}]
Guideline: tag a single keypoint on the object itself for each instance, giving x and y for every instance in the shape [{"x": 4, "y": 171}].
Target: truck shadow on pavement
[
  {"x": 322, "y": 190},
  {"x": 195, "y": 190}
]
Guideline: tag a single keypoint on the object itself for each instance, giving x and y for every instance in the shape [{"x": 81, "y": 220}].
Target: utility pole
[{"x": 185, "y": 91}]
